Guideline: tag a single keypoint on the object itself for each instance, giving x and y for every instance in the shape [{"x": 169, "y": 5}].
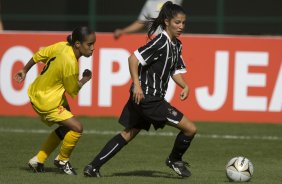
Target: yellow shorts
[{"x": 53, "y": 116}]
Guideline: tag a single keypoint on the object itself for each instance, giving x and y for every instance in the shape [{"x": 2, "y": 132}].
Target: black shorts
[{"x": 151, "y": 110}]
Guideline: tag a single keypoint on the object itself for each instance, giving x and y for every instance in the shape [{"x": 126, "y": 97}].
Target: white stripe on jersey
[
  {"x": 162, "y": 46},
  {"x": 183, "y": 70},
  {"x": 176, "y": 56},
  {"x": 148, "y": 58},
  {"x": 146, "y": 77},
  {"x": 161, "y": 84},
  {"x": 154, "y": 84},
  {"x": 152, "y": 44},
  {"x": 167, "y": 81},
  {"x": 154, "y": 77},
  {"x": 139, "y": 57},
  {"x": 147, "y": 88},
  {"x": 167, "y": 49},
  {"x": 140, "y": 74}
]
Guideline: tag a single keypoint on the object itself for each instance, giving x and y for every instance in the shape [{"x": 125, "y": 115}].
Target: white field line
[{"x": 166, "y": 134}]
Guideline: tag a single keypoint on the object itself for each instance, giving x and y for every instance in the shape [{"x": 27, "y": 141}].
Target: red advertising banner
[{"x": 231, "y": 78}]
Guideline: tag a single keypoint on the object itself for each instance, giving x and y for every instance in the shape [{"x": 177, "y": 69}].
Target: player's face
[
  {"x": 87, "y": 47},
  {"x": 176, "y": 25}
]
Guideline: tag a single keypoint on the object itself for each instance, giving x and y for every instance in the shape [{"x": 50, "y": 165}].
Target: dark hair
[
  {"x": 168, "y": 11},
  {"x": 79, "y": 34}
]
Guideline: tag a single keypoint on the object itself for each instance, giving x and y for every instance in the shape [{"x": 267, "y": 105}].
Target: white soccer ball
[{"x": 239, "y": 169}]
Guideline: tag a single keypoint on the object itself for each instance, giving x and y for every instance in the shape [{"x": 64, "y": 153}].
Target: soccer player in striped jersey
[
  {"x": 151, "y": 67},
  {"x": 47, "y": 95}
]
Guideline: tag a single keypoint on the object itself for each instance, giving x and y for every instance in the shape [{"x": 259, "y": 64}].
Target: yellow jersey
[{"x": 60, "y": 74}]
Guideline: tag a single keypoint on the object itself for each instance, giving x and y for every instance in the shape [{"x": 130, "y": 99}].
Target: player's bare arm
[
  {"x": 134, "y": 27},
  {"x": 178, "y": 79},
  {"x": 20, "y": 75},
  {"x": 138, "y": 94}
]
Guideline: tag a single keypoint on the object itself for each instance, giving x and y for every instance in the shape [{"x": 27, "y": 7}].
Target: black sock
[
  {"x": 181, "y": 144},
  {"x": 109, "y": 150},
  {"x": 61, "y": 131}
]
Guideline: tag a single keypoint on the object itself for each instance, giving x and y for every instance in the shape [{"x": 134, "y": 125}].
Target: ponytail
[{"x": 69, "y": 39}]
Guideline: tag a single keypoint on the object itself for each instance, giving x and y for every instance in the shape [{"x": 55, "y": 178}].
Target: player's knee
[
  {"x": 76, "y": 126},
  {"x": 190, "y": 129},
  {"x": 129, "y": 134},
  {"x": 193, "y": 130},
  {"x": 126, "y": 136},
  {"x": 78, "y": 129}
]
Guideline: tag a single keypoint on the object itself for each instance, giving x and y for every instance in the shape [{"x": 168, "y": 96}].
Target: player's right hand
[
  {"x": 138, "y": 94},
  {"x": 87, "y": 73}
]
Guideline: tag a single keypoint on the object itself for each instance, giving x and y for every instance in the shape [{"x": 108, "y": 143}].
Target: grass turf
[{"x": 142, "y": 160}]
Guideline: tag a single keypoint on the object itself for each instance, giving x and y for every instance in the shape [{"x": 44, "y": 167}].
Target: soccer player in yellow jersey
[{"x": 47, "y": 95}]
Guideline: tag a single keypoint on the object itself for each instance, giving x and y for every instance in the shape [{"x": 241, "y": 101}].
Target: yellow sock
[
  {"x": 68, "y": 145},
  {"x": 48, "y": 146}
]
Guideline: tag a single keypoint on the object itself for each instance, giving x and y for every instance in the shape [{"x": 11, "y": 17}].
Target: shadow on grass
[
  {"x": 47, "y": 170},
  {"x": 147, "y": 173}
]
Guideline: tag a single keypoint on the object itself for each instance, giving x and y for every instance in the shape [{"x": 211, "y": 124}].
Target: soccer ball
[{"x": 239, "y": 169}]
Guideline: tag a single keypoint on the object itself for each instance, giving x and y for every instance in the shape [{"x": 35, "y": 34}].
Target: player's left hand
[
  {"x": 117, "y": 33},
  {"x": 184, "y": 93}
]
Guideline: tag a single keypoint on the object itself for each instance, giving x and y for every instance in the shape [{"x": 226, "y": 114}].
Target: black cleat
[
  {"x": 179, "y": 167},
  {"x": 65, "y": 167},
  {"x": 36, "y": 167},
  {"x": 89, "y": 171}
]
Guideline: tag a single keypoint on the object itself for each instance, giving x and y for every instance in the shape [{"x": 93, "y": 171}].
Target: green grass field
[{"x": 142, "y": 161}]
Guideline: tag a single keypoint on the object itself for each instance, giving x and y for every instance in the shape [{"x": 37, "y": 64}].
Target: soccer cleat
[
  {"x": 179, "y": 167},
  {"x": 65, "y": 167},
  {"x": 35, "y": 166},
  {"x": 89, "y": 171}
]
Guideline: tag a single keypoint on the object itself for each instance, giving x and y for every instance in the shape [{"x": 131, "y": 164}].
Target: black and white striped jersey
[{"x": 158, "y": 60}]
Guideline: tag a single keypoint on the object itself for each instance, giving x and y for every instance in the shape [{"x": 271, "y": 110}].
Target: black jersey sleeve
[
  {"x": 144, "y": 54},
  {"x": 179, "y": 66}
]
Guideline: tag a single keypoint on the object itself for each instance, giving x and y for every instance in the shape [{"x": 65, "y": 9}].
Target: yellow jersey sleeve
[{"x": 45, "y": 53}]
